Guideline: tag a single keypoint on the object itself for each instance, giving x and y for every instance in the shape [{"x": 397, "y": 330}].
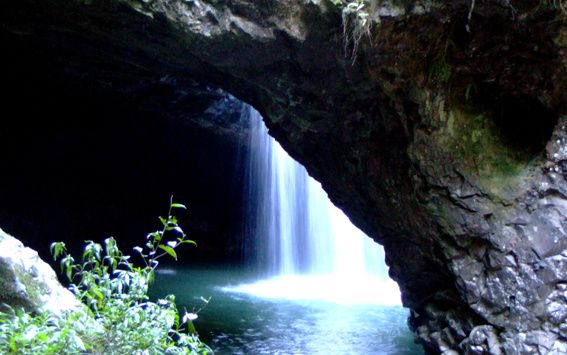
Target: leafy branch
[{"x": 118, "y": 317}]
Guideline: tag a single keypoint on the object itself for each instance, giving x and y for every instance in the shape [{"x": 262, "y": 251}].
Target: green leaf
[
  {"x": 98, "y": 294},
  {"x": 156, "y": 235},
  {"x": 57, "y": 249},
  {"x": 188, "y": 241},
  {"x": 169, "y": 250},
  {"x": 111, "y": 247},
  {"x": 190, "y": 328},
  {"x": 178, "y": 205},
  {"x": 68, "y": 273}
]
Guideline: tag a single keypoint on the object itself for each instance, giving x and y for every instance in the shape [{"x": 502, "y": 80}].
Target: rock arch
[{"x": 405, "y": 140}]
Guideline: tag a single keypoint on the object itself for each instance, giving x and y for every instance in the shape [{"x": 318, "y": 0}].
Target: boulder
[{"x": 28, "y": 282}]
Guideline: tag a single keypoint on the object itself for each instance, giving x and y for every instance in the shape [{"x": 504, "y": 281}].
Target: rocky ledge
[
  {"x": 444, "y": 138},
  {"x": 28, "y": 282}
]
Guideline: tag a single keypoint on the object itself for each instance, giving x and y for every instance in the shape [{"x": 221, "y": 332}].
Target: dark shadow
[{"x": 523, "y": 122}]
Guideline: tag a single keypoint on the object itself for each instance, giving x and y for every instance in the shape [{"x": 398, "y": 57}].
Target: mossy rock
[{"x": 28, "y": 282}]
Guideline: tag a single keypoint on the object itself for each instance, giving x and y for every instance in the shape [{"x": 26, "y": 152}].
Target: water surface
[{"x": 240, "y": 323}]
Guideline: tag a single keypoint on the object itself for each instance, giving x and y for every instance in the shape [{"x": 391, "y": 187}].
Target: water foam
[{"x": 366, "y": 289}]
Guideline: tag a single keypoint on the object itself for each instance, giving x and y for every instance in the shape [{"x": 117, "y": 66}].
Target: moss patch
[
  {"x": 30, "y": 299},
  {"x": 477, "y": 147}
]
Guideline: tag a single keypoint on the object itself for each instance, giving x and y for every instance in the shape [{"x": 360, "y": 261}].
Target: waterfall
[{"x": 299, "y": 233}]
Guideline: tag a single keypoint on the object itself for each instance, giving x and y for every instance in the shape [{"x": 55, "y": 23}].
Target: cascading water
[
  {"x": 325, "y": 288},
  {"x": 308, "y": 247}
]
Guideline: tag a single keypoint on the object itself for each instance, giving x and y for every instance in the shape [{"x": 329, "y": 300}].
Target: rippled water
[{"x": 239, "y": 323}]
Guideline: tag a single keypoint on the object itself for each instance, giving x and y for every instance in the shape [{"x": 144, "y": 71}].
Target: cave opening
[
  {"x": 84, "y": 161},
  {"x": 88, "y": 160}
]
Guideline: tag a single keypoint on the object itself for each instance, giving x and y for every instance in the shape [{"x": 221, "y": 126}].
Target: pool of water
[{"x": 236, "y": 322}]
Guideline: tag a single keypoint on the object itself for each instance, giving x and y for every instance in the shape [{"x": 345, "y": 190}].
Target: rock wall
[{"x": 443, "y": 139}]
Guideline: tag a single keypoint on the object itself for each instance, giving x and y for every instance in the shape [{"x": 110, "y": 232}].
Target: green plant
[
  {"x": 24, "y": 333},
  {"x": 440, "y": 70},
  {"x": 118, "y": 317}
]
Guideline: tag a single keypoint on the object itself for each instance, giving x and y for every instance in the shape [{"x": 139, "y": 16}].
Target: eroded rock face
[
  {"x": 28, "y": 282},
  {"x": 444, "y": 139}
]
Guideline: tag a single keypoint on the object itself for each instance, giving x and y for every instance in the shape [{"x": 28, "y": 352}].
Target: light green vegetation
[{"x": 117, "y": 317}]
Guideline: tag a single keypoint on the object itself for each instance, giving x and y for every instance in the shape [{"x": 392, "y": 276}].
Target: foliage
[
  {"x": 357, "y": 22},
  {"x": 118, "y": 317},
  {"x": 440, "y": 70},
  {"x": 23, "y": 333}
]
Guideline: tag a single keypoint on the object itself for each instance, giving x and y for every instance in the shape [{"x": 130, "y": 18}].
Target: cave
[
  {"x": 467, "y": 197},
  {"x": 87, "y": 163}
]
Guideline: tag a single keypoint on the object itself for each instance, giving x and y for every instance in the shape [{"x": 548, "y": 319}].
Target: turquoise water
[{"x": 235, "y": 323}]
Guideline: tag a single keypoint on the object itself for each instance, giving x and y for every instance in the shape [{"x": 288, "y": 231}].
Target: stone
[
  {"x": 556, "y": 307},
  {"x": 28, "y": 282},
  {"x": 483, "y": 340},
  {"x": 559, "y": 347}
]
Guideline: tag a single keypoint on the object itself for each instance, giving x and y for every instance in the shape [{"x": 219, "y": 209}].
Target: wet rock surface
[{"x": 444, "y": 139}]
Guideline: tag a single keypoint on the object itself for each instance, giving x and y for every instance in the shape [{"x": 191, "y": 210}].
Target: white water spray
[{"x": 309, "y": 247}]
